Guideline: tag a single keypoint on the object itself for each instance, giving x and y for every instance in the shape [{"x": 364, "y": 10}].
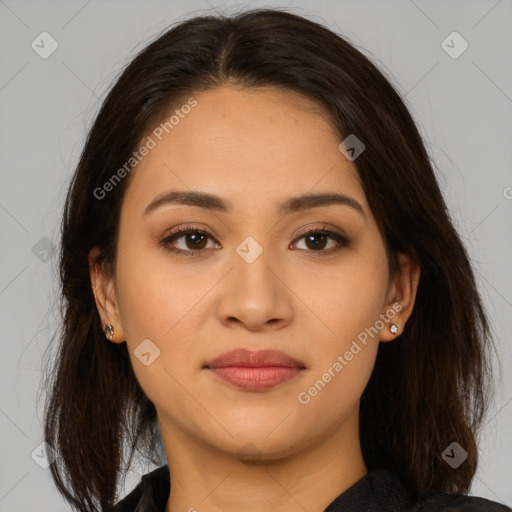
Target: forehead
[{"x": 245, "y": 144}]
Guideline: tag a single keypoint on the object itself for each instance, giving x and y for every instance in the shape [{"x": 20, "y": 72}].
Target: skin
[{"x": 254, "y": 148}]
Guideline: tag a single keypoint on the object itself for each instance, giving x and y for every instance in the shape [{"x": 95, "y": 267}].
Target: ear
[
  {"x": 104, "y": 295},
  {"x": 401, "y": 297}
]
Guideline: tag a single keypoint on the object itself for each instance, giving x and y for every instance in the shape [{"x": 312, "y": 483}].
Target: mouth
[{"x": 255, "y": 370}]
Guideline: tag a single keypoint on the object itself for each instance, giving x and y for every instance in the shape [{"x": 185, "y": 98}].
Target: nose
[{"x": 254, "y": 295}]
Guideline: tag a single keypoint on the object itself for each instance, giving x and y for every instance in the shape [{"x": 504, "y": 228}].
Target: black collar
[{"x": 380, "y": 490}]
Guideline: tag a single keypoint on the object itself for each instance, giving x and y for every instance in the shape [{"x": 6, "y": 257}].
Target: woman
[{"x": 258, "y": 269}]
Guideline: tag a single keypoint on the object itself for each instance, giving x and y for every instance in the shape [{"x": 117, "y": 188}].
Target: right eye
[{"x": 192, "y": 237}]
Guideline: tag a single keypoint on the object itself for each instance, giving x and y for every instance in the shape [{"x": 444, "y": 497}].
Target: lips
[
  {"x": 255, "y": 371},
  {"x": 254, "y": 359}
]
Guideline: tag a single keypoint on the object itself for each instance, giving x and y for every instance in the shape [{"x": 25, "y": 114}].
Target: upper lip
[{"x": 254, "y": 359}]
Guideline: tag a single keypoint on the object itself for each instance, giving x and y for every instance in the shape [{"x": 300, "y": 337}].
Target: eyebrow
[{"x": 291, "y": 205}]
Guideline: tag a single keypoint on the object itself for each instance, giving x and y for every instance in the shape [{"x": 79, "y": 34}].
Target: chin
[{"x": 259, "y": 443}]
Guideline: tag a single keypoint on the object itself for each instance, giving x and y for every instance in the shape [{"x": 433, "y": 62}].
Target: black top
[{"x": 380, "y": 490}]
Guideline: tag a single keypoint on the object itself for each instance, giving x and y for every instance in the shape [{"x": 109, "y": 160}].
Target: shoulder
[
  {"x": 150, "y": 495},
  {"x": 457, "y": 503},
  {"x": 129, "y": 502},
  {"x": 383, "y": 490}
]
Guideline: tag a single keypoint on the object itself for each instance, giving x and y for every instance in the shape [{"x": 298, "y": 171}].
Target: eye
[
  {"x": 194, "y": 240},
  {"x": 316, "y": 240}
]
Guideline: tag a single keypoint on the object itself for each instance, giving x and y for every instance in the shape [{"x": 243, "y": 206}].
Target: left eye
[
  {"x": 317, "y": 239},
  {"x": 195, "y": 240}
]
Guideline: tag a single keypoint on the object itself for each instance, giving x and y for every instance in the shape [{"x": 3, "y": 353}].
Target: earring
[
  {"x": 109, "y": 331},
  {"x": 393, "y": 328}
]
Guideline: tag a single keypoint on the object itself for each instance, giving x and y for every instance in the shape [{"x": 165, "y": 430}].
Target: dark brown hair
[{"x": 429, "y": 388}]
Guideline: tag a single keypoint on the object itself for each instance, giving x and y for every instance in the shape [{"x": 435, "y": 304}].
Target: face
[{"x": 251, "y": 273}]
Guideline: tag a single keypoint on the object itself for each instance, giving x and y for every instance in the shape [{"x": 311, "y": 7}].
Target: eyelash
[{"x": 342, "y": 240}]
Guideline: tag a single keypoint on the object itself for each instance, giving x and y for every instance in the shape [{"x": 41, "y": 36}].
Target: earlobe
[
  {"x": 104, "y": 296},
  {"x": 401, "y": 297}
]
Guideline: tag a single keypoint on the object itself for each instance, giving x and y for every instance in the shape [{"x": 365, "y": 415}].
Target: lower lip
[{"x": 255, "y": 379}]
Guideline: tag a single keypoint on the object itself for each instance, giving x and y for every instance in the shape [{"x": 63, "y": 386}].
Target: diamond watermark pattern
[
  {"x": 44, "y": 455},
  {"x": 455, "y": 455},
  {"x": 147, "y": 352},
  {"x": 44, "y": 45},
  {"x": 454, "y": 45},
  {"x": 43, "y": 249},
  {"x": 351, "y": 147},
  {"x": 249, "y": 454},
  {"x": 249, "y": 250}
]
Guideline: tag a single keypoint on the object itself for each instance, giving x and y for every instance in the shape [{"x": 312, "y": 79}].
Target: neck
[{"x": 206, "y": 478}]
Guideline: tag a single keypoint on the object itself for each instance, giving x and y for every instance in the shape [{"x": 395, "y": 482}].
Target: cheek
[
  {"x": 166, "y": 304},
  {"x": 154, "y": 303},
  {"x": 332, "y": 394},
  {"x": 346, "y": 306},
  {"x": 346, "y": 299},
  {"x": 153, "y": 295}
]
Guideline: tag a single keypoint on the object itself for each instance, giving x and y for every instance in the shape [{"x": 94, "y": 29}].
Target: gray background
[{"x": 463, "y": 107}]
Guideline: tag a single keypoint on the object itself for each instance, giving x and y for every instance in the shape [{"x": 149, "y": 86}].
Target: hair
[{"x": 431, "y": 386}]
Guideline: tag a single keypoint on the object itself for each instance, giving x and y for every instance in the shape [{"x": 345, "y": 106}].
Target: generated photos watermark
[
  {"x": 304, "y": 397},
  {"x": 149, "y": 144}
]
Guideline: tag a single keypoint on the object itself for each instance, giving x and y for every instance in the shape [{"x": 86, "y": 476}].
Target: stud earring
[
  {"x": 393, "y": 328},
  {"x": 109, "y": 331}
]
